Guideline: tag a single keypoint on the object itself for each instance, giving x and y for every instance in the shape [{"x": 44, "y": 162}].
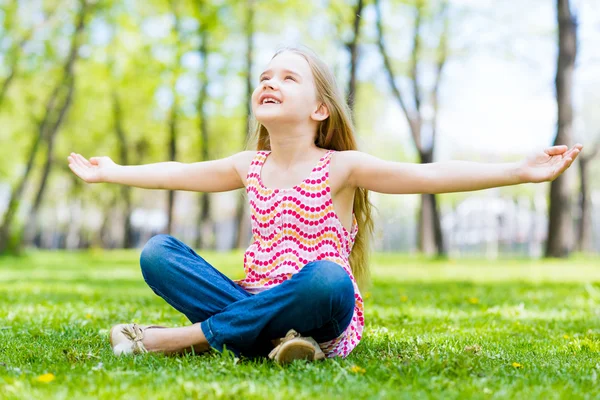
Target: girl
[{"x": 307, "y": 187}]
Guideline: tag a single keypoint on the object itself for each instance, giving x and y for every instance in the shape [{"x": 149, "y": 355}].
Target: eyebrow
[{"x": 286, "y": 71}]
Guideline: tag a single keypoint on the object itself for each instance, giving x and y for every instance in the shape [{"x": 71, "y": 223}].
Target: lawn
[{"x": 435, "y": 329}]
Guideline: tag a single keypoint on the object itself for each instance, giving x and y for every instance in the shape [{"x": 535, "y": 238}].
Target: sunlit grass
[{"x": 445, "y": 329}]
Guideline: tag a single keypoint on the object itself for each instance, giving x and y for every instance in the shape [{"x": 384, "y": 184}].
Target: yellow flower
[
  {"x": 473, "y": 300},
  {"x": 46, "y": 378},
  {"x": 367, "y": 295},
  {"x": 358, "y": 370},
  {"x": 566, "y": 337},
  {"x": 517, "y": 365},
  {"x": 403, "y": 298},
  {"x": 88, "y": 316}
]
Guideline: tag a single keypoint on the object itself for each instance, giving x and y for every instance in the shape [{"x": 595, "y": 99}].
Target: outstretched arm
[
  {"x": 381, "y": 176},
  {"x": 207, "y": 176}
]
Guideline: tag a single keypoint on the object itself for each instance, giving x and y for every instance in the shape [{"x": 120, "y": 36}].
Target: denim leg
[
  {"x": 318, "y": 301},
  {"x": 185, "y": 280}
]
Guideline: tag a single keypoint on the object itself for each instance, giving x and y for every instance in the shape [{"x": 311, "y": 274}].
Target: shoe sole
[{"x": 295, "y": 350}]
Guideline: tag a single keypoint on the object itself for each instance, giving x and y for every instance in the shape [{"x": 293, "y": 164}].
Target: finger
[
  {"x": 74, "y": 157},
  {"x": 85, "y": 161},
  {"x": 94, "y": 160},
  {"x": 77, "y": 171},
  {"x": 573, "y": 153},
  {"x": 79, "y": 161},
  {"x": 556, "y": 150}
]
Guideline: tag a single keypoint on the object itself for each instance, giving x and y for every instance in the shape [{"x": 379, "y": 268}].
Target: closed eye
[
  {"x": 290, "y": 77},
  {"x": 264, "y": 78}
]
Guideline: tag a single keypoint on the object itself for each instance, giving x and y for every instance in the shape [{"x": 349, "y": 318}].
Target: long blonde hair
[{"x": 334, "y": 133}]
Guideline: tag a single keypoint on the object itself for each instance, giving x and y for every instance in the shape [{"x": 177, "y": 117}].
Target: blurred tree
[
  {"x": 207, "y": 17},
  {"x": 352, "y": 47},
  {"x": 430, "y": 238},
  {"x": 560, "y": 223},
  {"x": 175, "y": 103},
  {"x": 46, "y": 130},
  {"x": 15, "y": 49},
  {"x": 587, "y": 131},
  {"x": 242, "y": 235},
  {"x": 584, "y": 230},
  {"x": 339, "y": 11},
  {"x": 55, "y": 113},
  {"x": 118, "y": 125}
]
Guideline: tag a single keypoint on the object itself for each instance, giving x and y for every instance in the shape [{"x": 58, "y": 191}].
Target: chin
[{"x": 266, "y": 118}]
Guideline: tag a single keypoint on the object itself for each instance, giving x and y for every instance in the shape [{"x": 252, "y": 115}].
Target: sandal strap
[{"x": 135, "y": 334}]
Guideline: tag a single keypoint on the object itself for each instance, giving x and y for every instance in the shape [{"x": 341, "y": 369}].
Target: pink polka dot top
[{"x": 293, "y": 227}]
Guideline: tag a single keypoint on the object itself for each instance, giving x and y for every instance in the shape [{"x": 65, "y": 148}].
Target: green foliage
[{"x": 435, "y": 329}]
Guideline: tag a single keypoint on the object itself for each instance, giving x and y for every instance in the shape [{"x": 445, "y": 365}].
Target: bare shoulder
[
  {"x": 343, "y": 164},
  {"x": 241, "y": 162}
]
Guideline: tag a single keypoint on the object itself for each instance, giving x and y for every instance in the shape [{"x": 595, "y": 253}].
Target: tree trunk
[
  {"x": 30, "y": 226},
  {"x": 242, "y": 239},
  {"x": 173, "y": 115},
  {"x": 6, "y": 84},
  {"x": 14, "y": 63},
  {"x": 16, "y": 195},
  {"x": 560, "y": 229},
  {"x": 124, "y": 160},
  {"x": 55, "y": 115},
  {"x": 172, "y": 156},
  {"x": 353, "y": 50},
  {"x": 585, "y": 228},
  {"x": 430, "y": 235},
  {"x": 205, "y": 226},
  {"x": 584, "y": 231},
  {"x": 431, "y": 239}
]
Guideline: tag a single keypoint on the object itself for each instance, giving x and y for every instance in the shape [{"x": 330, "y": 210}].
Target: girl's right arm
[{"x": 206, "y": 176}]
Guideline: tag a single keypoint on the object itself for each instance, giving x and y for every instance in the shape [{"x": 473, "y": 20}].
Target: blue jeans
[{"x": 318, "y": 301}]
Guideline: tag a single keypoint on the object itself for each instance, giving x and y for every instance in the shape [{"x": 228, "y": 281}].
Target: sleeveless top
[{"x": 292, "y": 227}]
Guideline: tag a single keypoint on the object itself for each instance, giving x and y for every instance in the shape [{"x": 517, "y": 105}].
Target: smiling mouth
[{"x": 270, "y": 101}]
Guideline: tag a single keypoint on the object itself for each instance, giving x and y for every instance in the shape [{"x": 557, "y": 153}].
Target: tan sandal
[
  {"x": 127, "y": 338},
  {"x": 296, "y": 347}
]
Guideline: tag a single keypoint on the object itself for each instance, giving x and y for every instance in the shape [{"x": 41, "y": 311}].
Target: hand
[
  {"x": 549, "y": 164},
  {"x": 92, "y": 171}
]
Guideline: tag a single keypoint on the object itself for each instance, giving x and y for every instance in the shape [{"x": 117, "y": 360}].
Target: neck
[{"x": 292, "y": 143}]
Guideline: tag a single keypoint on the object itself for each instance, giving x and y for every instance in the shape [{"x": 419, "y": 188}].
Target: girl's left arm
[{"x": 381, "y": 176}]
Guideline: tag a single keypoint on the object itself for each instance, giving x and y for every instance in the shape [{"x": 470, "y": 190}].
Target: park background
[
  {"x": 146, "y": 82},
  {"x": 483, "y": 294}
]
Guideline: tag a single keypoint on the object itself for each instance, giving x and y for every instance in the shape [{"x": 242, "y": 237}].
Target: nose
[{"x": 269, "y": 83}]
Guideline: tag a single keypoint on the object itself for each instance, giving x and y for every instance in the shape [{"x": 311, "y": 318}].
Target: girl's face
[{"x": 286, "y": 92}]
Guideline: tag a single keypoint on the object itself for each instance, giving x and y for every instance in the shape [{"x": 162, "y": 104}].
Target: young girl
[{"x": 307, "y": 187}]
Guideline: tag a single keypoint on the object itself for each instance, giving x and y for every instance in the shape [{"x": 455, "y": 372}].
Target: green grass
[{"x": 435, "y": 329}]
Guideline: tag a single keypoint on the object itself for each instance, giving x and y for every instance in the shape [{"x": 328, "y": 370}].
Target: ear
[{"x": 321, "y": 113}]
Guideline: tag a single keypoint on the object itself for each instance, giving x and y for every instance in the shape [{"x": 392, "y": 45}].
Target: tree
[
  {"x": 352, "y": 47},
  {"x": 16, "y": 49},
  {"x": 242, "y": 222},
  {"x": 584, "y": 230},
  {"x": 13, "y": 56},
  {"x": 121, "y": 135},
  {"x": 205, "y": 225},
  {"x": 560, "y": 227},
  {"x": 430, "y": 230},
  {"x": 56, "y": 112}
]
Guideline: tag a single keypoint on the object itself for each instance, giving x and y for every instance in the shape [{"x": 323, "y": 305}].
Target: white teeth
[{"x": 270, "y": 100}]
